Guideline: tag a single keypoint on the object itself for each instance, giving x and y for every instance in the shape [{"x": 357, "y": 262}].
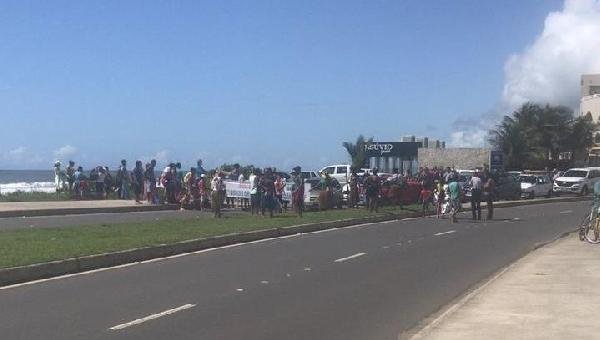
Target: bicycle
[{"x": 589, "y": 229}]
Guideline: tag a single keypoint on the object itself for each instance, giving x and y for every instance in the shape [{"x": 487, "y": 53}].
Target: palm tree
[{"x": 357, "y": 152}]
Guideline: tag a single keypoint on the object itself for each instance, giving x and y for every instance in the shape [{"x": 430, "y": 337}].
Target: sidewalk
[
  {"x": 552, "y": 293},
  {"x": 17, "y": 209}
]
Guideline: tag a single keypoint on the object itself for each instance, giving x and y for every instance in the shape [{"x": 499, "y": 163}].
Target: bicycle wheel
[
  {"x": 584, "y": 226},
  {"x": 592, "y": 232}
]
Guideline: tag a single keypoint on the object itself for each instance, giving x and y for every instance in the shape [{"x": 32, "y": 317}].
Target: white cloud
[
  {"x": 65, "y": 152},
  {"x": 468, "y": 139},
  {"x": 547, "y": 71},
  {"x": 18, "y": 152}
]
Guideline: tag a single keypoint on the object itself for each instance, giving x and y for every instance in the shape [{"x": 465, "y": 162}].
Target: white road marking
[
  {"x": 359, "y": 225},
  {"x": 264, "y": 282},
  {"x": 516, "y": 219},
  {"x": 349, "y": 257},
  {"x": 322, "y": 231},
  {"x": 390, "y": 221},
  {"x": 385, "y": 247},
  {"x": 445, "y": 233},
  {"x": 231, "y": 245},
  {"x": 151, "y": 317},
  {"x": 307, "y": 269},
  {"x": 240, "y": 289},
  {"x": 292, "y": 235},
  {"x": 566, "y": 212},
  {"x": 288, "y": 275},
  {"x": 408, "y": 219},
  {"x": 262, "y": 240}
]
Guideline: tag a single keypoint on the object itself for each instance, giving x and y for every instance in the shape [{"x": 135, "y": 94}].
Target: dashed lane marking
[
  {"x": 445, "y": 233},
  {"x": 151, "y": 317},
  {"x": 349, "y": 257}
]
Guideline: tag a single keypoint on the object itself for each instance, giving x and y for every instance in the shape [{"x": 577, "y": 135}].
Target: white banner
[{"x": 242, "y": 190}]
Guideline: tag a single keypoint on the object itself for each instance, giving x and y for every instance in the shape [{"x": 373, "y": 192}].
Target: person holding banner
[
  {"x": 297, "y": 191},
  {"x": 267, "y": 184}
]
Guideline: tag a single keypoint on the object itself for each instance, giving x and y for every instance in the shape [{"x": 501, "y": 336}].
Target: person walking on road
[
  {"x": 488, "y": 193},
  {"x": 454, "y": 192},
  {"x": 476, "y": 187}
]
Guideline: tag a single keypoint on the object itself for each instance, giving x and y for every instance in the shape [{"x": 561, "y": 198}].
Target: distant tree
[
  {"x": 357, "y": 152},
  {"x": 534, "y": 136}
]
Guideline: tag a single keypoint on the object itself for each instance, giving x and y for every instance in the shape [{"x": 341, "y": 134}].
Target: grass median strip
[{"x": 29, "y": 246}]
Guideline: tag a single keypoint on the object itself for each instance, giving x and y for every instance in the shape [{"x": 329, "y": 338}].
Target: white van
[{"x": 340, "y": 172}]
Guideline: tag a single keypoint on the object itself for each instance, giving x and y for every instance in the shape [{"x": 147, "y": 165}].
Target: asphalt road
[{"x": 365, "y": 282}]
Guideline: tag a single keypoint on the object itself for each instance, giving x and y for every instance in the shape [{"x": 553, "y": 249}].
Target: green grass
[
  {"x": 28, "y": 246},
  {"x": 21, "y": 196}
]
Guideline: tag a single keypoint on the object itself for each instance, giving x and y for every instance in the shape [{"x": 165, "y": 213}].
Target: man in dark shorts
[
  {"x": 372, "y": 189},
  {"x": 297, "y": 191}
]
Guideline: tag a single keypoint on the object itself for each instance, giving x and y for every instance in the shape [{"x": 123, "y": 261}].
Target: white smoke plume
[{"x": 549, "y": 70}]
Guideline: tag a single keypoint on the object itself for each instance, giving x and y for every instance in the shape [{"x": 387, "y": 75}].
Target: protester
[
  {"x": 123, "y": 179},
  {"x": 189, "y": 193},
  {"x": 70, "y": 172},
  {"x": 488, "y": 192},
  {"x": 150, "y": 182},
  {"x": 100, "y": 183},
  {"x": 476, "y": 187},
  {"x": 216, "y": 187},
  {"x": 59, "y": 177},
  {"x": 353, "y": 189},
  {"x": 170, "y": 183},
  {"x": 202, "y": 191},
  {"x": 297, "y": 191},
  {"x": 79, "y": 184},
  {"x": 455, "y": 194},
  {"x": 138, "y": 181},
  {"x": 279, "y": 189},
  {"x": 267, "y": 185},
  {"x": 372, "y": 190},
  {"x": 255, "y": 198},
  {"x": 325, "y": 194}
]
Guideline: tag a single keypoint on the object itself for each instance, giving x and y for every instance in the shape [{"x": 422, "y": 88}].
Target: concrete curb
[
  {"x": 9, "y": 276},
  {"x": 93, "y": 210}
]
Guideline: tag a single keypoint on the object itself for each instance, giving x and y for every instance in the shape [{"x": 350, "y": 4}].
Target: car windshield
[
  {"x": 527, "y": 179},
  {"x": 575, "y": 173}
]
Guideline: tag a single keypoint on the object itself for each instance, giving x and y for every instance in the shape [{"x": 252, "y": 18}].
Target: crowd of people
[
  {"x": 196, "y": 188},
  {"x": 201, "y": 189}
]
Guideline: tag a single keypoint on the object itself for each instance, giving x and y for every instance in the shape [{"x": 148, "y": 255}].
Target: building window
[{"x": 594, "y": 89}]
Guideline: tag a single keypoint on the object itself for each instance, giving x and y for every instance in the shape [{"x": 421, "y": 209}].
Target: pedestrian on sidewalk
[
  {"x": 476, "y": 189},
  {"x": 488, "y": 193}
]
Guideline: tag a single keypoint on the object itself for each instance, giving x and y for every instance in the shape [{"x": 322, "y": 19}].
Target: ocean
[{"x": 26, "y": 181}]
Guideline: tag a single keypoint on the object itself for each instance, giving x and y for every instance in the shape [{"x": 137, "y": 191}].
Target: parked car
[
  {"x": 340, "y": 172},
  {"x": 576, "y": 181},
  {"x": 309, "y": 174},
  {"x": 315, "y": 189},
  {"x": 535, "y": 185}
]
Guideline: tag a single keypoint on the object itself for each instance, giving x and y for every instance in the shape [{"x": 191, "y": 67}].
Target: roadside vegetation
[{"x": 29, "y": 246}]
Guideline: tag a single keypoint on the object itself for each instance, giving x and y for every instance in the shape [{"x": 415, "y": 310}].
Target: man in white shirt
[{"x": 476, "y": 186}]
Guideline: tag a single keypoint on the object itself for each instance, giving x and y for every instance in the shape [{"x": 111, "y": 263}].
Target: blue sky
[{"x": 264, "y": 82}]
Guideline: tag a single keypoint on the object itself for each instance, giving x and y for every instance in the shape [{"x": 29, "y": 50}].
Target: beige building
[
  {"x": 590, "y": 102},
  {"x": 590, "y": 95}
]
